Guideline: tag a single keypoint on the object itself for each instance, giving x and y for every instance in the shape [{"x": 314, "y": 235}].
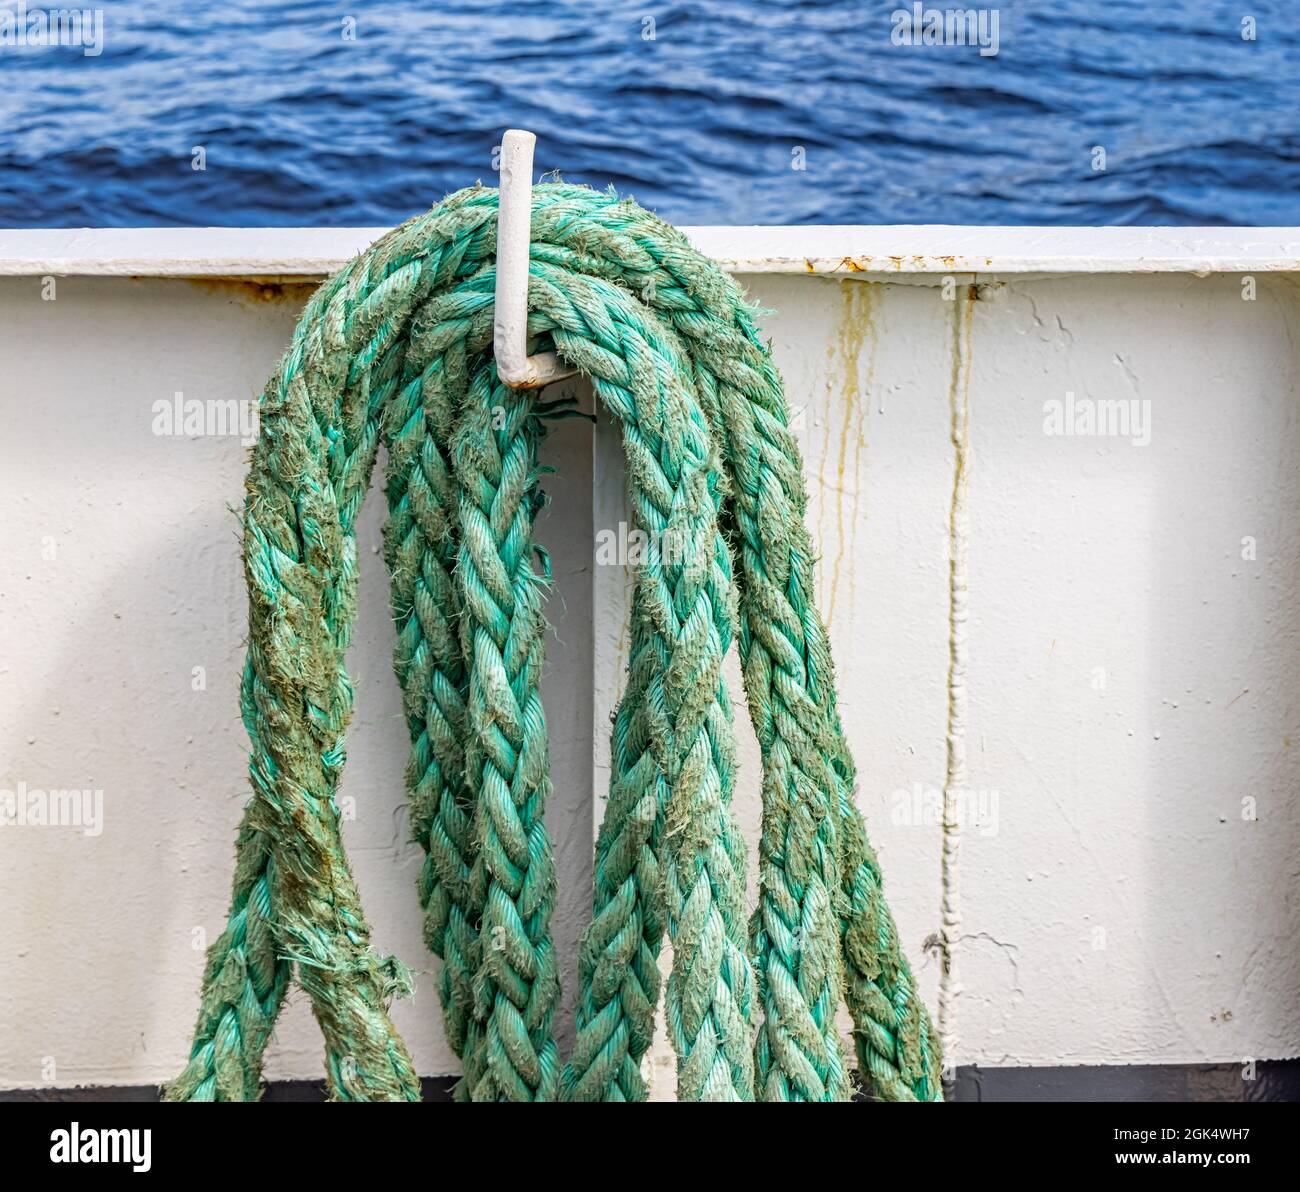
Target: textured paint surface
[{"x": 1131, "y": 677}]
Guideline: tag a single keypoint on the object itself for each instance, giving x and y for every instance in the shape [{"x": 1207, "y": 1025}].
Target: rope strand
[{"x": 502, "y": 629}]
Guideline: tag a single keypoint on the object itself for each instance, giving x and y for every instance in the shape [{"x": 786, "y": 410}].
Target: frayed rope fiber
[{"x": 397, "y": 348}]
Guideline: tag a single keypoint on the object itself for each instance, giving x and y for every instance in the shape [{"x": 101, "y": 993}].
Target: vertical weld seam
[{"x": 955, "y": 776}]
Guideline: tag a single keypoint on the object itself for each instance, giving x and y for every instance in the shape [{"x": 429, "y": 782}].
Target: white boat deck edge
[{"x": 885, "y": 250}]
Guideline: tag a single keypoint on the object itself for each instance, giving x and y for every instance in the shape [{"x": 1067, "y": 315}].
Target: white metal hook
[{"x": 514, "y": 234}]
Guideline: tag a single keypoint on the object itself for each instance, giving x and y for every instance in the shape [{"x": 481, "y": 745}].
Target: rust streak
[
  {"x": 258, "y": 290},
  {"x": 857, "y": 327}
]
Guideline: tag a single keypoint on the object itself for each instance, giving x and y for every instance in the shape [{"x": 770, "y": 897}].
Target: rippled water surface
[{"x": 701, "y": 115}]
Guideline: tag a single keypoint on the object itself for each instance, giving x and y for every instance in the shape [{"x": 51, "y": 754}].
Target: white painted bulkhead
[{"x": 1125, "y": 886}]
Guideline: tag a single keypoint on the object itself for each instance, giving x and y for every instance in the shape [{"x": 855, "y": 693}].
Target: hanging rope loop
[{"x": 397, "y": 348}]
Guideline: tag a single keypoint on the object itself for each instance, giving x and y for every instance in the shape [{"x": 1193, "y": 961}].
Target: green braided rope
[
  {"x": 420, "y": 550},
  {"x": 399, "y": 344},
  {"x": 300, "y": 563},
  {"x": 618, "y": 969},
  {"x": 743, "y": 396},
  {"x": 502, "y": 631},
  {"x": 638, "y": 372}
]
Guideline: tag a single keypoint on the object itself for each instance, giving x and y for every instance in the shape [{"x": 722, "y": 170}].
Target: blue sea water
[{"x": 699, "y": 110}]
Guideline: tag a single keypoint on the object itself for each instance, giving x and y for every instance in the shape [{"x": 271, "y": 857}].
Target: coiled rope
[{"x": 397, "y": 348}]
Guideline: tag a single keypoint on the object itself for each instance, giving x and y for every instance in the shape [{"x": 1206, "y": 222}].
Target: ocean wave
[{"x": 772, "y": 111}]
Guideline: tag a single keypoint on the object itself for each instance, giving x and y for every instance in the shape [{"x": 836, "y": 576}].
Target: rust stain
[
  {"x": 260, "y": 290},
  {"x": 856, "y": 333},
  {"x": 959, "y": 385},
  {"x": 916, "y": 263}
]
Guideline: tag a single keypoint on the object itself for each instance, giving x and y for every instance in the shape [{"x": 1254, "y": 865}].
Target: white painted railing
[{"x": 921, "y": 248}]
